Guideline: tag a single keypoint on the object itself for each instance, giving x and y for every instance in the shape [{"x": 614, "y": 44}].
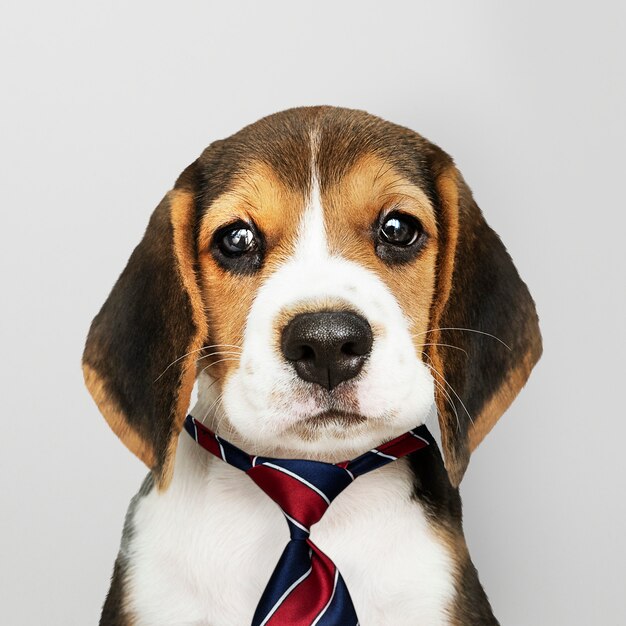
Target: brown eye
[
  {"x": 237, "y": 241},
  {"x": 238, "y": 247},
  {"x": 398, "y": 237},
  {"x": 399, "y": 229}
]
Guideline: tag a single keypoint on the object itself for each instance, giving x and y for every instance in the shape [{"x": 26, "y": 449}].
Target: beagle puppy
[{"x": 329, "y": 282}]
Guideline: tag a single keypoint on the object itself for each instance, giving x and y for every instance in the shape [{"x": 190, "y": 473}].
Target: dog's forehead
[{"x": 326, "y": 140}]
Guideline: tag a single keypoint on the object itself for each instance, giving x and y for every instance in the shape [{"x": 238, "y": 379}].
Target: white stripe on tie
[
  {"x": 284, "y": 596},
  {"x": 219, "y": 443},
  {"x": 296, "y": 523},
  {"x": 387, "y": 456},
  {"x": 420, "y": 438}
]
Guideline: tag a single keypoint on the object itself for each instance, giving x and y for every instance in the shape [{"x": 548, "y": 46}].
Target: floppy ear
[
  {"x": 154, "y": 315},
  {"x": 484, "y": 309}
]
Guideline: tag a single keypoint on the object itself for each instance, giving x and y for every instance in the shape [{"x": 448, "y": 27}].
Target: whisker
[
  {"x": 217, "y": 345},
  {"x": 205, "y": 459},
  {"x": 211, "y": 385},
  {"x": 219, "y": 361},
  {"x": 217, "y": 353},
  {"x": 448, "y": 398},
  {"x": 221, "y": 417},
  {"x": 451, "y": 388},
  {"x": 469, "y": 330},
  {"x": 446, "y": 345},
  {"x": 210, "y": 409}
]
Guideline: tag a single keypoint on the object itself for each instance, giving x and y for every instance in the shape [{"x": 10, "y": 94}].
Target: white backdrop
[{"x": 103, "y": 104}]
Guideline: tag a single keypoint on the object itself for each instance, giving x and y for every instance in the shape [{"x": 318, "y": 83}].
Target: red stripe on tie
[
  {"x": 207, "y": 440},
  {"x": 293, "y": 496},
  {"x": 402, "y": 446},
  {"x": 306, "y": 601}
]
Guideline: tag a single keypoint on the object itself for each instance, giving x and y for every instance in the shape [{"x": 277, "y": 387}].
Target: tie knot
[{"x": 302, "y": 489}]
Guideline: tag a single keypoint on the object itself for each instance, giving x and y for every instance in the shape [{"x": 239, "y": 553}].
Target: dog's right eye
[{"x": 238, "y": 247}]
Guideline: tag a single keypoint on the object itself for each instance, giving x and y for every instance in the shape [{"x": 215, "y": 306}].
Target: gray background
[{"x": 103, "y": 104}]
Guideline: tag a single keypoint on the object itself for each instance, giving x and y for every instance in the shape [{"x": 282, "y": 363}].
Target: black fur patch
[
  {"x": 144, "y": 325},
  {"x": 113, "y": 610},
  {"x": 442, "y": 503}
]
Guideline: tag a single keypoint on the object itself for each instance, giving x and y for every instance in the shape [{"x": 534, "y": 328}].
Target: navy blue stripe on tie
[
  {"x": 293, "y": 567},
  {"x": 336, "y": 612},
  {"x": 234, "y": 456}
]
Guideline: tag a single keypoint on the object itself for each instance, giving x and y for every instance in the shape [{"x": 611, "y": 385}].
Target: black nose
[{"x": 327, "y": 347}]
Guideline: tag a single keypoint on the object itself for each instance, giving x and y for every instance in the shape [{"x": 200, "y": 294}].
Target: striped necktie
[{"x": 306, "y": 589}]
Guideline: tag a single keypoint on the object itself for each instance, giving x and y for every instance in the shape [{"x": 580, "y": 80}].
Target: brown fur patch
[
  {"x": 182, "y": 218},
  {"x": 352, "y": 206},
  {"x": 258, "y": 195},
  {"x": 447, "y": 187},
  {"x": 116, "y": 418},
  {"x": 482, "y": 309},
  {"x": 153, "y": 316},
  {"x": 469, "y": 606},
  {"x": 500, "y": 400}
]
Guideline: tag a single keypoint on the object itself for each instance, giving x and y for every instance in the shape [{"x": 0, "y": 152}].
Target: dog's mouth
[
  {"x": 336, "y": 423},
  {"x": 335, "y": 416},
  {"x": 333, "y": 435}
]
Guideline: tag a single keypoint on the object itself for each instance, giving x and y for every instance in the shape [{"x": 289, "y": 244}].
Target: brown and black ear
[
  {"x": 134, "y": 363},
  {"x": 484, "y": 309}
]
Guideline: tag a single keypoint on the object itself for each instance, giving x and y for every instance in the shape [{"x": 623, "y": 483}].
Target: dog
[{"x": 328, "y": 281}]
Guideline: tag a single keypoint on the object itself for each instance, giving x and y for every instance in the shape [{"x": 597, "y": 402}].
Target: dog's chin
[
  {"x": 330, "y": 436},
  {"x": 319, "y": 428},
  {"x": 334, "y": 437}
]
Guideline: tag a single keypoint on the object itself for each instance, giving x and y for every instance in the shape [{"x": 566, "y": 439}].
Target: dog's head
[{"x": 331, "y": 280}]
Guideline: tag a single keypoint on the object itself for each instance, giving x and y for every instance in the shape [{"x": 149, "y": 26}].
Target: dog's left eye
[
  {"x": 400, "y": 230},
  {"x": 237, "y": 240},
  {"x": 398, "y": 237}
]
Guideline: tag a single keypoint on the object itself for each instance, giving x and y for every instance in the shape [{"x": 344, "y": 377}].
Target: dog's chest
[{"x": 202, "y": 553}]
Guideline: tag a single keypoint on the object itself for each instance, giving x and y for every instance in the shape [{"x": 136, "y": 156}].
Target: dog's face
[
  {"x": 319, "y": 299},
  {"x": 329, "y": 277}
]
